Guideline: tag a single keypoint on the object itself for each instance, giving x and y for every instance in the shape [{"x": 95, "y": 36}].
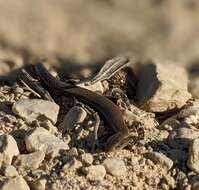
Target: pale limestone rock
[
  {"x": 87, "y": 158},
  {"x": 75, "y": 116},
  {"x": 162, "y": 87},
  {"x": 10, "y": 171},
  {"x": 94, "y": 173},
  {"x": 31, "y": 110},
  {"x": 29, "y": 161},
  {"x": 161, "y": 159},
  {"x": 8, "y": 148},
  {"x": 115, "y": 167},
  {"x": 193, "y": 160},
  {"x": 41, "y": 139},
  {"x": 16, "y": 183}
]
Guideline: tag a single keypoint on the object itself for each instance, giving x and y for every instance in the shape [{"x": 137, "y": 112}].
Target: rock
[
  {"x": 31, "y": 110},
  {"x": 76, "y": 115},
  {"x": 162, "y": 88},
  {"x": 8, "y": 148},
  {"x": 42, "y": 140},
  {"x": 39, "y": 184},
  {"x": 10, "y": 171},
  {"x": 94, "y": 173},
  {"x": 87, "y": 158},
  {"x": 29, "y": 161},
  {"x": 194, "y": 87},
  {"x": 177, "y": 154},
  {"x": 193, "y": 160},
  {"x": 115, "y": 167},
  {"x": 134, "y": 115},
  {"x": 194, "y": 182},
  {"x": 72, "y": 165},
  {"x": 15, "y": 183},
  {"x": 181, "y": 137},
  {"x": 190, "y": 113},
  {"x": 161, "y": 159}
]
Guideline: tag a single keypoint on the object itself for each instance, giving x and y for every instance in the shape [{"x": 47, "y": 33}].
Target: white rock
[
  {"x": 87, "y": 158},
  {"x": 193, "y": 160},
  {"x": 17, "y": 183},
  {"x": 94, "y": 173},
  {"x": 42, "y": 140},
  {"x": 30, "y": 110},
  {"x": 162, "y": 87},
  {"x": 8, "y": 148},
  {"x": 115, "y": 167},
  {"x": 161, "y": 159},
  {"x": 10, "y": 171},
  {"x": 29, "y": 161},
  {"x": 75, "y": 115}
]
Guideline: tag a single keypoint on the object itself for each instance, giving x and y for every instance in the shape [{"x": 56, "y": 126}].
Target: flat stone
[
  {"x": 31, "y": 110},
  {"x": 94, "y": 173},
  {"x": 87, "y": 158},
  {"x": 161, "y": 159},
  {"x": 16, "y": 183},
  {"x": 29, "y": 161},
  {"x": 10, "y": 171},
  {"x": 41, "y": 139},
  {"x": 162, "y": 87},
  {"x": 8, "y": 148},
  {"x": 75, "y": 116},
  {"x": 193, "y": 160},
  {"x": 115, "y": 167}
]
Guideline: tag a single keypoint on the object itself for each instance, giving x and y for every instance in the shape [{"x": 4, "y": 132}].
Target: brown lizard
[{"x": 103, "y": 105}]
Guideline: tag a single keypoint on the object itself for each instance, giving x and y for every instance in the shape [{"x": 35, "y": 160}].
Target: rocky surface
[{"x": 55, "y": 148}]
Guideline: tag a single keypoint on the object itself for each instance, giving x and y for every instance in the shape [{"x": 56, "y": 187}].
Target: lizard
[{"x": 106, "y": 108}]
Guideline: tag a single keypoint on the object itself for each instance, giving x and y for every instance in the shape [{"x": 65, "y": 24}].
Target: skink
[{"x": 103, "y": 105}]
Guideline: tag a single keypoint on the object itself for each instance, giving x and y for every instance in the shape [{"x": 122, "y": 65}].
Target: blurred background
[{"x": 92, "y": 31}]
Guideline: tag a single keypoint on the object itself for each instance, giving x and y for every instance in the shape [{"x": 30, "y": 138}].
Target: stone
[
  {"x": 161, "y": 159},
  {"x": 10, "y": 171},
  {"x": 162, "y": 88},
  {"x": 190, "y": 113},
  {"x": 94, "y": 173},
  {"x": 75, "y": 116},
  {"x": 72, "y": 165},
  {"x": 193, "y": 159},
  {"x": 39, "y": 184},
  {"x": 181, "y": 137},
  {"x": 115, "y": 167},
  {"x": 8, "y": 148},
  {"x": 194, "y": 182},
  {"x": 17, "y": 182},
  {"x": 87, "y": 158},
  {"x": 41, "y": 139},
  {"x": 194, "y": 87},
  {"x": 33, "y": 109},
  {"x": 178, "y": 155},
  {"x": 29, "y": 161}
]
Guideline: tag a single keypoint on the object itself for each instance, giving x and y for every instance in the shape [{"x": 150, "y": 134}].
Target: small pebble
[{"x": 115, "y": 167}]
